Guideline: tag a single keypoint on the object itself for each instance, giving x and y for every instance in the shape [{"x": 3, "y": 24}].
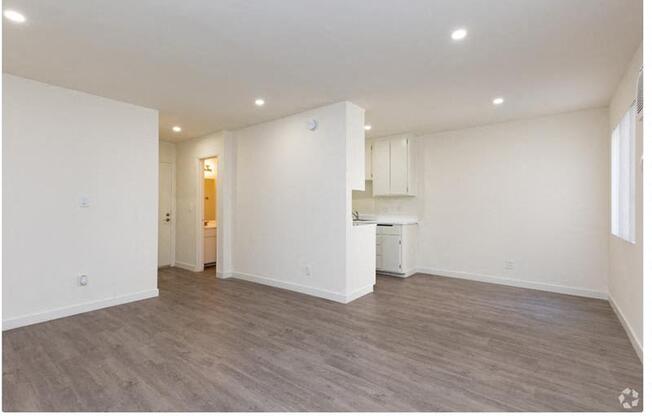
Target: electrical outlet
[
  {"x": 83, "y": 280},
  {"x": 509, "y": 264}
]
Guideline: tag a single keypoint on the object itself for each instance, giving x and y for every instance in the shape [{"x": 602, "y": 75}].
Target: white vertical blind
[{"x": 623, "y": 178}]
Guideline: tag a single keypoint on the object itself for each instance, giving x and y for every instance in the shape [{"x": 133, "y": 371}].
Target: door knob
[{"x": 167, "y": 220}]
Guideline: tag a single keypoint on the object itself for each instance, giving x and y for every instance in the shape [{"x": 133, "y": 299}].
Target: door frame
[
  {"x": 173, "y": 211},
  {"x": 199, "y": 214}
]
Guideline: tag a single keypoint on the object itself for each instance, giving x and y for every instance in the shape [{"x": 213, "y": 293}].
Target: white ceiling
[{"x": 203, "y": 62}]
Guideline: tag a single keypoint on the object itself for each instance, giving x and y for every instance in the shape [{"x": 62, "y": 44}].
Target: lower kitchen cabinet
[{"x": 396, "y": 248}]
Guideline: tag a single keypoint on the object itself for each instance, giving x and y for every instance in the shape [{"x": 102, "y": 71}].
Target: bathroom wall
[{"x": 210, "y": 200}]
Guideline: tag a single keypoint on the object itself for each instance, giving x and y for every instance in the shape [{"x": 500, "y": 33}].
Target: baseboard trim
[
  {"x": 359, "y": 293},
  {"x": 638, "y": 347},
  {"x": 185, "y": 266},
  {"x": 295, "y": 287},
  {"x": 225, "y": 275},
  {"x": 566, "y": 290},
  {"x": 400, "y": 275},
  {"x": 39, "y": 317}
]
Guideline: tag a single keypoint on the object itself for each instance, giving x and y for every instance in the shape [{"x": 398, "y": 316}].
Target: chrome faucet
[{"x": 356, "y": 215}]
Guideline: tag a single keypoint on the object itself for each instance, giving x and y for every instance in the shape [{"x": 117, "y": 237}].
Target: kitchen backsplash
[{"x": 365, "y": 203}]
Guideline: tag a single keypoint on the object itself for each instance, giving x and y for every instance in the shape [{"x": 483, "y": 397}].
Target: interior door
[
  {"x": 380, "y": 167},
  {"x": 399, "y": 167},
  {"x": 165, "y": 215}
]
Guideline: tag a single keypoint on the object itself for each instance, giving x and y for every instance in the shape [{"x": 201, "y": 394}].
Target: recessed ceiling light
[
  {"x": 176, "y": 129},
  {"x": 14, "y": 16},
  {"x": 498, "y": 100},
  {"x": 367, "y": 127},
  {"x": 458, "y": 34},
  {"x": 259, "y": 102}
]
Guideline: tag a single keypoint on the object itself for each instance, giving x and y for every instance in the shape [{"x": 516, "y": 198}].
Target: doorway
[
  {"x": 165, "y": 212},
  {"x": 209, "y": 212}
]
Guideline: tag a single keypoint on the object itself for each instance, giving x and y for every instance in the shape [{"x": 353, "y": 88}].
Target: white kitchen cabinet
[
  {"x": 398, "y": 167},
  {"x": 367, "y": 161},
  {"x": 396, "y": 248},
  {"x": 393, "y": 165},
  {"x": 380, "y": 167},
  {"x": 390, "y": 253}
]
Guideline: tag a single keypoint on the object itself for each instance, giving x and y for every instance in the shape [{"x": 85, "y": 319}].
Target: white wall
[
  {"x": 291, "y": 202},
  {"x": 534, "y": 192},
  {"x": 188, "y": 218},
  {"x": 361, "y": 239},
  {"x": 60, "y": 145},
  {"x": 626, "y": 259},
  {"x": 274, "y": 180},
  {"x": 167, "y": 152}
]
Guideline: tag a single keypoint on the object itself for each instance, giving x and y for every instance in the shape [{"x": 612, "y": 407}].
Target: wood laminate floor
[{"x": 419, "y": 344}]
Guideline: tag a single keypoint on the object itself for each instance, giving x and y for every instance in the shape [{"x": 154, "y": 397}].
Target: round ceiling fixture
[
  {"x": 458, "y": 34},
  {"x": 498, "y": 100},
  {"x": 176, "y": 129},
  {"x": 14, "y": 16},
  {"x": 259, "y": 102},
  {"x": 367, "y": 127}
]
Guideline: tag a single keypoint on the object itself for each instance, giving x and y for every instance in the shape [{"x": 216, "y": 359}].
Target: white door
[
  {"x": 380, "y": 167},
  {"x": 399, "y": 166},
  {"x": 391, "y": 247},
  {"x": 165, "y": 214}
]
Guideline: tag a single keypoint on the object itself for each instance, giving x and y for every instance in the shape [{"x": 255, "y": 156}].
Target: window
[{"x": 622, "y": 178}]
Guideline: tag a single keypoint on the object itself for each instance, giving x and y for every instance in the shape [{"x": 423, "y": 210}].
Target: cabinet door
[
  {"x": 391, "y": 249},
  {"x": 399, "y": 167},
  {"x": 367, "y": 160},
  {"x": 380, "y": 165},
  {"x": 379, "y": 252},
  {"x": 210, "y": 249}
]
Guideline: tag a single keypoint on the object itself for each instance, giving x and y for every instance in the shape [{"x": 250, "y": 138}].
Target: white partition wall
[{"x": 292, "y": 210}]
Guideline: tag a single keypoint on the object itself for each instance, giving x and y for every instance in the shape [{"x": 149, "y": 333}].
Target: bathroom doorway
[{"x": 209, "y": 212}]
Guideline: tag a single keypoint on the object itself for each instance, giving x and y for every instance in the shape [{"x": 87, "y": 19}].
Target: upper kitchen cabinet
[
  {"x": 380, "y": 159},
  {"x": 392, "y": 166},
  {"x": 367, "y": 160}
]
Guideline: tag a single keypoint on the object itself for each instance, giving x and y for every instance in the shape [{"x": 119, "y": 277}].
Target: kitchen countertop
[
  {"x": 361, "y": 223},
  {"x": 387, "y": 219}
]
